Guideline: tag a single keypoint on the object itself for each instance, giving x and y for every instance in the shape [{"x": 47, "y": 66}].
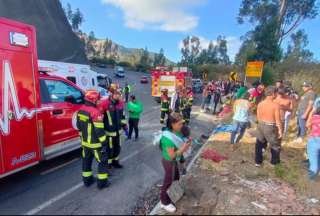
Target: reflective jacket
[
  {"x": 114, "y": 119},
  {"x": 165, "y": 103},
  {"x": 189, "y": 100},
  {"x": 91, "y": 128}
]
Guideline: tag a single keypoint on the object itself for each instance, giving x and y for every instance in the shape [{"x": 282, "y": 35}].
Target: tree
[
  {"x": 144, "y": 60},
  {"x": 190, "y": 50},
  {"x": 92, "y": 36},
  {"x": 212, "y": 54},
  {"x": 69, "y": 12},
  {"x": 222, "y": 50},
  {"x": 297, "y": 48},
  {"x": 77, "y": 20},
  {"x": 159, "y": 58},
  {"x": 247, "y": 52},
  {"x": 273, "y": 21},
  {"x": 287, "y": 14}
]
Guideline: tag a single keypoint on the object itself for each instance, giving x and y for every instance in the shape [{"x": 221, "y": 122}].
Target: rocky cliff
[{"x": 55, "y": 39}]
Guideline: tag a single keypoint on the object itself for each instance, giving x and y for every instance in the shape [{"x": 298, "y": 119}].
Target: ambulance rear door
[{"x": 19, "y": 146}]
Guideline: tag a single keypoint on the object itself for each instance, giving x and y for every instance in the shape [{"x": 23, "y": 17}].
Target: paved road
[{"x": 55, "y": 187}]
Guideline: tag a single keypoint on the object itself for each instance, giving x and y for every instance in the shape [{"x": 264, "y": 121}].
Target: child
[{"x": 313, "y": 148}]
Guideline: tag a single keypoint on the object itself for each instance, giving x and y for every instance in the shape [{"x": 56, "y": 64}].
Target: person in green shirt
[
  {"x": 135, "y": 108},
  {"x": 241, "y": 91},
  {"x": 172, "y": 147}
]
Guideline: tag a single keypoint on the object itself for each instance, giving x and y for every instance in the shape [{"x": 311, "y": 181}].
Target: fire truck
[
  {"x": 163, "y": 78},
  {"x": 37, "y": 110}
]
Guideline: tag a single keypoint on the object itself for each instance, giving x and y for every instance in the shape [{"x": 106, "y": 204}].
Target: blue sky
[{"x": 164, "y": 23}]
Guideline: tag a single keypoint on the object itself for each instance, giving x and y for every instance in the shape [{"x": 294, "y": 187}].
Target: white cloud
[
  {"x": 233, "y": 45},
  {"x": 166, "y": 15}
]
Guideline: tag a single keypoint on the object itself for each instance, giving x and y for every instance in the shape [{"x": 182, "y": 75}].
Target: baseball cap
[{"x": 307, "y": 84}]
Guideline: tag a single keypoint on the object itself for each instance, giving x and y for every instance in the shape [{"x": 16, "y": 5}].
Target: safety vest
[
  {"x": 165, "y": 103},
  {"x": 91, "y": 128}
]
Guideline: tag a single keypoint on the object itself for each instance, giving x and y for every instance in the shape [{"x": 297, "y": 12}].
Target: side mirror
[{"x": 70, "y": 99}]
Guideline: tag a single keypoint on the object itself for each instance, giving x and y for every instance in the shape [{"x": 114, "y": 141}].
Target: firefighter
[
  {"x": 188, "y": 105},
  {"x": 165, "y": 105},
  {"x": 114, "y": 121},
  {"x": 94, "y": 140}
]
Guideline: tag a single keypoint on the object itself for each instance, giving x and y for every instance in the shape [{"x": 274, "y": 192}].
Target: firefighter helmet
[
  {"x": 164, "y": 91},
  {"x": 92, "y": 96}
]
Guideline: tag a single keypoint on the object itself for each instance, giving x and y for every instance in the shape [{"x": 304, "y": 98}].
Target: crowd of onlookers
[{"x": 272, "y": 108}]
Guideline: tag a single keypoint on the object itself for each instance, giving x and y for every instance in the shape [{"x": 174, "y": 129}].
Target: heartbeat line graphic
[{"x": 10, "y": 97}]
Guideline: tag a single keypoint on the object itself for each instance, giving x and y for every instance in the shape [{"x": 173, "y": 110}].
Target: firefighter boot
[
  {"x": 116, "y": 164},
  {"x": 88, "y": 181},
  {"x": 103, "y": 184}
]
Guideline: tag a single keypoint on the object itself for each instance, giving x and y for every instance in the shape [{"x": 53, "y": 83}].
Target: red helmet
[{"x": 92, "y": 96}]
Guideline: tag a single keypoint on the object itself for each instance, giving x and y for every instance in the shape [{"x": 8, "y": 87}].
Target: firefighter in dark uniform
[
  {"x": 114, "y": 121},
  {"x": 188, "y": 105},
  {"x": 165, "y": 105},
  {"x": 93, "y": 140}
]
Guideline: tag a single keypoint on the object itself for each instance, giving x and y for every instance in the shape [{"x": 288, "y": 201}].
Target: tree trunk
[{"x": 282, "y": 13}]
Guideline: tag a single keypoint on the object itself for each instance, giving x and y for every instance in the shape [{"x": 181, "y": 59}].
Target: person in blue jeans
[
  {"x": 304, "y": 110},
  {"x": 241, "y": 109},
  {"x": 313, "y": 148}
]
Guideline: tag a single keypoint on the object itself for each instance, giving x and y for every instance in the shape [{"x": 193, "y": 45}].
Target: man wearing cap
[{"x": 304, "y": 109}]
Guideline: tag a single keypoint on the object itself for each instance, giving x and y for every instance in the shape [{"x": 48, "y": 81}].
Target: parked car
[
  {"x": 144, "y": 80},
  {"x": 197, "y": 85}
]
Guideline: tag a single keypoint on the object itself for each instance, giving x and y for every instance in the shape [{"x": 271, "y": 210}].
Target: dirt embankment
[
  {"x": 55, "y": 39},
  {"x": 236, "y": 186}
]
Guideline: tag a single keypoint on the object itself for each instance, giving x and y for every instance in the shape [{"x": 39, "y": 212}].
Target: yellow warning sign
[
  {"x": 205, "y": 76},
  {"x": 254, "y": 69},
  {"x": 233, "y": 76}
]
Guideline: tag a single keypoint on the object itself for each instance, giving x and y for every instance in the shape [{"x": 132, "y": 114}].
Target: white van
[{"x": 79, "y": 74}]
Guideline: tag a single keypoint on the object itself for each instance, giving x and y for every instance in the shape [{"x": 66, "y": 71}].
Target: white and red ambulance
[{"x": 37, "y": 110}]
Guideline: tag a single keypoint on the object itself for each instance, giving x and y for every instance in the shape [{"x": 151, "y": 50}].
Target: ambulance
[
  {"x": 163, "y": 78},
  {"x": 37, "y": 109},
  {"x": 79, "y": 74}
]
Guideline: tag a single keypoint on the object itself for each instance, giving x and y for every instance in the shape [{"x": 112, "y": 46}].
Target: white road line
[
  {"x": 53, "y": 200},
  {"x": 59, "y": 167},
  {"x": 73, "y": 189}
]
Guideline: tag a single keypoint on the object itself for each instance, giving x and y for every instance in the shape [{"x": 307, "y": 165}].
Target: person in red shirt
[{"x": 313, "y": 148}]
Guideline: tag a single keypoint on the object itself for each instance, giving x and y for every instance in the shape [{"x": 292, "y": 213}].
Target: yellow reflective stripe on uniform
[
  {"x": 102, "y": 176},
  {"x": 116, "y": 159},
  {"x": 111, "y": 134},
  {"x": 83, "y": 153},
  {"x": 87, "y": 174},
  {"x": 103, "y": 138},
  {"x": 91, "y": 145},
  {"x": 89, "y": 133},
  {"x": 123, "y": 121},
  {"x": 110, "y": 142},
  {"x": 98, "y": 124},
  {"x": 164, "y": 109},
  {"x": 96, "y": 155},
  {"x": 83, "y": 117},
  {"x": 109, "y": 161},
  {"x": 109, "y": 118}
]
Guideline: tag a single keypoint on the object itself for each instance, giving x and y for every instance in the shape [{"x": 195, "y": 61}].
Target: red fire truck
[
  {"x": 163, "y": 78},
  {"x": 37, "y": 111}
]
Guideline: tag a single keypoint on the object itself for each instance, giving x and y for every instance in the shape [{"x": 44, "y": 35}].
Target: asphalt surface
[{"x": 55, "y": 186}]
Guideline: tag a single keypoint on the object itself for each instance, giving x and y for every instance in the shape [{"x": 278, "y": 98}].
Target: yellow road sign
[
  {"x": 233, "y": 76},
  {"x": 205, "y": 76},
  {"x": 254, "y": 69}
]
